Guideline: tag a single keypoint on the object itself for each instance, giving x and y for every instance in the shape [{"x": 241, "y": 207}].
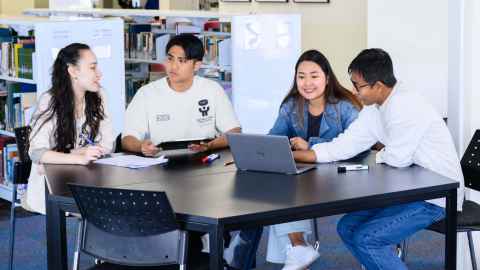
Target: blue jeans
[
  {"x": 370, "y": 234},
  {"x": 244, "y": 254}
]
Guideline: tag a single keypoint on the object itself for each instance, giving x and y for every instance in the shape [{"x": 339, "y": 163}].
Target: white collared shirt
[{"x": 412, "y": 132}]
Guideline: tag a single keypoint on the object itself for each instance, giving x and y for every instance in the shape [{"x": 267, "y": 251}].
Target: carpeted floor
[{"x": 425, "y": 248}]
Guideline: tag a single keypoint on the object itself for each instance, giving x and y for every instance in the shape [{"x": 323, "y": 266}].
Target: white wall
[
  {"x": 337, "y": 29},
  {"x": 456, "y": 72},
  {"x": 10, "y": 7},
  {"x": 415, "y": 34},
  {"x": 469, "y": 105}
]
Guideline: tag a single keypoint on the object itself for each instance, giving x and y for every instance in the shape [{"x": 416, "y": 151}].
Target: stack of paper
[{"x": 132, "y": 161}]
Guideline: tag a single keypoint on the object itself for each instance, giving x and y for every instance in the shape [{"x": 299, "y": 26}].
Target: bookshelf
[
  {"x": 23, "y": 80},
  {"x": 259, "y": 61}
]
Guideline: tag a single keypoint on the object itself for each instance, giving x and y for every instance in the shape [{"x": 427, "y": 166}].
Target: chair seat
[
  {"x": 196, "y": 264},
  {"x": 467, "y": 220},
  {"x": 110, "y": 266}
]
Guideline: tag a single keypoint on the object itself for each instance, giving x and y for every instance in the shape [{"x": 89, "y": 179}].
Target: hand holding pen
[{"x": 91, "y": 152}]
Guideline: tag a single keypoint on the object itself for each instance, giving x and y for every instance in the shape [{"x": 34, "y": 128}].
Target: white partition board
[
  {"x": 105, "y": 37},
  {"x": 268, "y": 45}
]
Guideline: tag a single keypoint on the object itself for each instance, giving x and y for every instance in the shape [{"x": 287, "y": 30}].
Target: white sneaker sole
[{"x": 302, "y": 267}]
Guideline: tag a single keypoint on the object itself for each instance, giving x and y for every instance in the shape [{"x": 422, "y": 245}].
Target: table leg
[
  {"x": 451, "y": 231},
  {"x": 216, "y": 248},
  {"x": 56, "y": 236}
]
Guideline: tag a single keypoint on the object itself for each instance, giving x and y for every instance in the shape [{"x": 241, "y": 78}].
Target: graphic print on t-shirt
[{"x": 203, "y": 107}]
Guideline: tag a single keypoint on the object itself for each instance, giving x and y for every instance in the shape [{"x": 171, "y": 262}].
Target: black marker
[{"x": 355, "y": 167}]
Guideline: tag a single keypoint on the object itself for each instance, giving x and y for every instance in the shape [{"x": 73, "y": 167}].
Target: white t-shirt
[{"x": 161, "y": 114}]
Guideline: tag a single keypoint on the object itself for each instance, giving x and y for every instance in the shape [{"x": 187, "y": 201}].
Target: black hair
[
  {"x": 62, "y": 103},
  {"x": 191, "y": 45},
  {"x": 374, "y": 65},
  {"x": 334, "y": 91}
]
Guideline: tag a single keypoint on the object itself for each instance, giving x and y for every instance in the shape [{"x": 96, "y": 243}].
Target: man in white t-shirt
[
  {"x": 181, "y": 106},
  {"x": 413, "y": 133}
]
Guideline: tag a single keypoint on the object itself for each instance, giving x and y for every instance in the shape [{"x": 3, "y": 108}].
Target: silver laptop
[{"x": 267, "y": 153}]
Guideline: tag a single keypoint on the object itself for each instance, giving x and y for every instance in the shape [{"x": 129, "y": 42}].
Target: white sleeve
[
  {"x": 225, "y": 118},
  {"x": 358, "y": 137},
  {"x": 404, "y": 131},
  {"x": 41, "y": 131},
  {"x": 106, "y": 127},
  {"x": 136, "y": 120}
]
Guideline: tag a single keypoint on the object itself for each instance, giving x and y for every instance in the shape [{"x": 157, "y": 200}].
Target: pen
[
  {"x": 354, "y": 167},
  {"x": 228, "y": 163},
  {"x": 90, "y": 142}
]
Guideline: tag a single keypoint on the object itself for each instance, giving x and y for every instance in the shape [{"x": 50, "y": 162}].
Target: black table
[{"x": 217, "y": 198}]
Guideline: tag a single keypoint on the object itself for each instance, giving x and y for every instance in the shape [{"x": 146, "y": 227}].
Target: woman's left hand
[
  {"x": 89, "y": 148},
  {"x": 298, "y": 143}
]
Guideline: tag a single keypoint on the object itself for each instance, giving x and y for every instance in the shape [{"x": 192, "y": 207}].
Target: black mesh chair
[
  {"x": 129, "y": 228},
  {"x": 469, "y": 219},
  {"x": 21, "y": 172}
]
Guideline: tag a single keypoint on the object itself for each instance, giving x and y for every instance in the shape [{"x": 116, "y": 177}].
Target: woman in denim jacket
[{"x": 316, "y": 110}]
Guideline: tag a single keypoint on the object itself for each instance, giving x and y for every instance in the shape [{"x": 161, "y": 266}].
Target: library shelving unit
[
  {"x": 251, "y": 55},
  {"x": 29, "y": 46}
]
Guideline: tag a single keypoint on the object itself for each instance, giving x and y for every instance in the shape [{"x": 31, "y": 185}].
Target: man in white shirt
[
  {"x": 181, "y": 106},
  {"x": 413, "y": 133}
]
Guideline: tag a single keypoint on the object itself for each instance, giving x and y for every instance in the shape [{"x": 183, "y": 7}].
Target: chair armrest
[{"x": 21, "y": 172}]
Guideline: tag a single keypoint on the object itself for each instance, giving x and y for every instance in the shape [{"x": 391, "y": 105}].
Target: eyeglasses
[{"x": 358, "y": 87}]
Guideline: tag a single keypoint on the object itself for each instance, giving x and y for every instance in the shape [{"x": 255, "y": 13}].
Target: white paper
[{"x": 132, "y": 161}]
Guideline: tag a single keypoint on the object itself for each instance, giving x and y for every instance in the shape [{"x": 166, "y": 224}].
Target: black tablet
[{"x": 180, "y": 144}]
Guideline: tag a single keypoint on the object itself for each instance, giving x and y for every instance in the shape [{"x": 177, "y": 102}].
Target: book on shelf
[
  {"x": 146, "y": 41},
  {"x": 16, "y": 58},
  {"x": 21, "y": 98},
  {"x": 6, "y": 35},
  {"x": 10, "y": 152},
  {"x": 4, "y": 140},
  {"x": 132, "y": 86},
  {"x": 139, "y": 41}
]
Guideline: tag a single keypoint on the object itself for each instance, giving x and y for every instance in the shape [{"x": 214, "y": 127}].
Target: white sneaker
[{"x": 300, "y": 257}]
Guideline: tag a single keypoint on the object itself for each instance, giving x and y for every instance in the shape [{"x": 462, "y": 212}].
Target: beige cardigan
[{"x": 42, "y": 140}]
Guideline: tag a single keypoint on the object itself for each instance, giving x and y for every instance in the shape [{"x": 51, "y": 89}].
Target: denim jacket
[{"x": 335, "y": 119}]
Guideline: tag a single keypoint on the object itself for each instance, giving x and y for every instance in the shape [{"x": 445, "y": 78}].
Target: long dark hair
[
  {"x": 62, "y": 103},
  {"x": 334, "y": 91}
]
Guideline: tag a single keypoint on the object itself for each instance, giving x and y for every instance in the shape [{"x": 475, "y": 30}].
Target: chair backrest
[
  {"x": 471, "y": 163},
  {"x": 118, "y": 144},
  {"x": 21, "y": 170},
  {"x": 128, "y": 227},
  {"x": 22, "y": 136}
]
